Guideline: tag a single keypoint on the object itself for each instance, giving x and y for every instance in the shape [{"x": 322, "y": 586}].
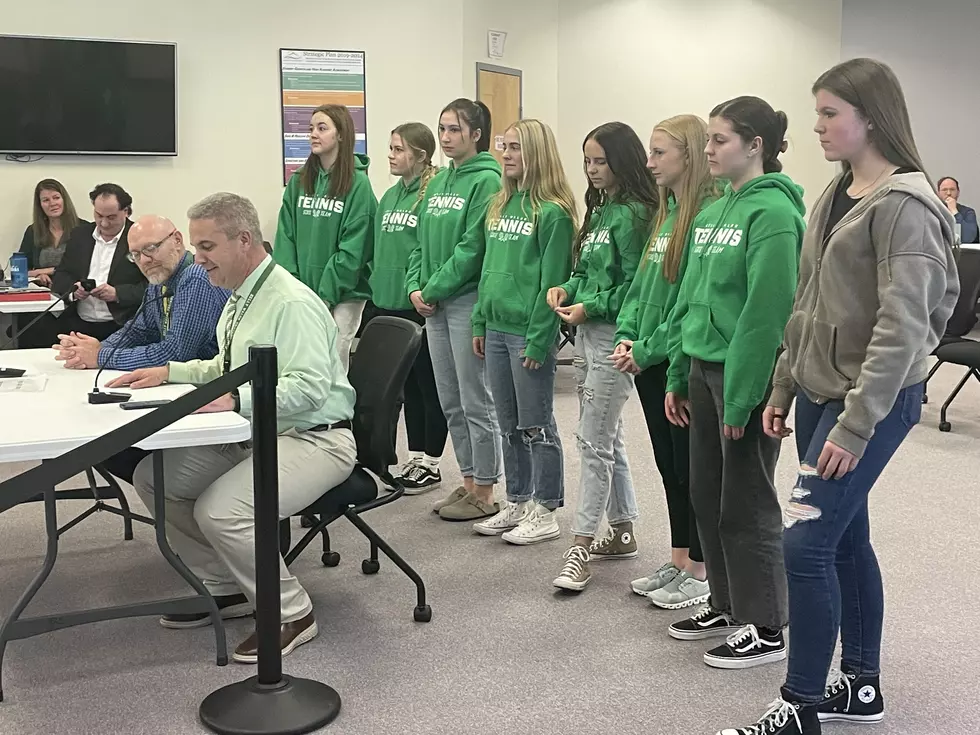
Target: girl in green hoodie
[
  {"x": 410, "y": 154},
  {"x": 443, "y": 274},
  {"x": 326, "y": 222},
  {"x": 678, "y": 162},
  {"x": 530, "y": 233},
  {"x": 621, "y": 205},
  {"x": 723, "y": 336}
]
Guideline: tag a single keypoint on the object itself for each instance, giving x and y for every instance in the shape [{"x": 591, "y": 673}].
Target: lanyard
[
  {"x": 167, "y": 295},
  {"x": 165, "y": 326},
  {"x": 232, "y": 325}
]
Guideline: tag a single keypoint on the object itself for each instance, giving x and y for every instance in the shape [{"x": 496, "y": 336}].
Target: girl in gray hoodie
[{"x": 878, "y": 282}]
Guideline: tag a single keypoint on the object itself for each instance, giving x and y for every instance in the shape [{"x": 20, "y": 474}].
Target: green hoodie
[
  {"x": 738, "y": 290},
  {"x": 327, "y": 243},
  {"x": 452, "y": 240},
  {"x": 646, "y": 311},
  {"x": 395, "y": 237},
  {"x": 525, "y": 256},
  {"x": 608, "y": 260}
]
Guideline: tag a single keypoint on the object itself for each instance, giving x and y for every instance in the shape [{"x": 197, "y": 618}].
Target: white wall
[
  {"x": 934, "y": 48},
  {"x": 229, "y": 121},
  {"x": 532, "y": 46},
  {"x": 584, "y": 62},
  {"x": 640, "y": 61}
]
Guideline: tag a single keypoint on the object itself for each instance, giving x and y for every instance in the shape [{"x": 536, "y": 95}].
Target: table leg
[
  {"x": 51, "y": 526},
  {"x": 160, "y": 513}
]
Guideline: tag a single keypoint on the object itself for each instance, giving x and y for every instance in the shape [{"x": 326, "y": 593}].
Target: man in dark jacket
[
  {"x": 966, "y": 218},
  {"x": 99, "y": 252}
]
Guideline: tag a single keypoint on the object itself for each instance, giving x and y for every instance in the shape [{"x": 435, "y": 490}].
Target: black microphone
[
  {"x": 17, "y": 372},
  {"x": 99, "y": 397}
]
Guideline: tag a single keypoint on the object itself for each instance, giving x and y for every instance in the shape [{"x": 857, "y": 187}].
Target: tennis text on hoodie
[
  {"x": 508, "y": 229},
  {"x": 319, "y": 206}
]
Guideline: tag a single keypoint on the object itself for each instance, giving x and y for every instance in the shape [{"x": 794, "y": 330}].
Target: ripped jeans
[
  {"x": 534, "y": 463},
  {"x": 604, "y": 479},
  {"x": 834, "y": 579}
]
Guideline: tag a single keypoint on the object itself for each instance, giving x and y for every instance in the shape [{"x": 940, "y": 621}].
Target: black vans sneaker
[
  {"x": 782, "y": 718},
  {"x": 851, "y": 698},
  {"x": 419, "y": 478},
  {"x": 747, "y": 648},
  {"x": 705, "y": 623}
]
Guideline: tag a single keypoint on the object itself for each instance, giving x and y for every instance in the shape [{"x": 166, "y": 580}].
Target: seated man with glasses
[{"x": 176, "y": 322}]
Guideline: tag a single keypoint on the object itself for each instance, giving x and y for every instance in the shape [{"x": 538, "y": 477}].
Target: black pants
[
  {"x": 671, "y": 451},
  {"x": 739, "y": 516},
  {"x": 424, "y": 421},
  {"x": 45, "y": 332},
  {"x": 123, "y": 465}
]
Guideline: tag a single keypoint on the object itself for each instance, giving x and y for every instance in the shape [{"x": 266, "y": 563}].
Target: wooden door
[{"x": 501, "y": 90}]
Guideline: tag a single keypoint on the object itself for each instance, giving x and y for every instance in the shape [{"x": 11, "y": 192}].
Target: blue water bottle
[{"x": 18, "y": 270}]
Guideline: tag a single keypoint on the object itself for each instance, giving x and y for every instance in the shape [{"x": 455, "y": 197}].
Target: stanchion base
[{"x": 293, "y": 707}]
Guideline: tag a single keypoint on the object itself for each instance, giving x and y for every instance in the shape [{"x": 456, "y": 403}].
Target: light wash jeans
[
  {"x": 461, "y": 380},
  {"x": 347, "y": 315},
  {"x": 605, "y": 482},
  {"x": 534, "y": 463}
]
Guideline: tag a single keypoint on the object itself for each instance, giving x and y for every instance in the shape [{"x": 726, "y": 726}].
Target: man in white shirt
[{"x": 99, "y": 252}]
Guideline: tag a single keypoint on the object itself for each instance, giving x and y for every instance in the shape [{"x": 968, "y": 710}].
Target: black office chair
[
  {"x": 378, "y": 372},
  {"x": 954, "y": 347}
]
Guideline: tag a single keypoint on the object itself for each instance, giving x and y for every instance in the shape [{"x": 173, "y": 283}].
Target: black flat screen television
[{"x": 71, "y": 96}]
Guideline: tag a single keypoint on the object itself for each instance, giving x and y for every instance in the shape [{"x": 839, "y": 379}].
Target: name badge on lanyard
[{"x": 231, "y": 326}]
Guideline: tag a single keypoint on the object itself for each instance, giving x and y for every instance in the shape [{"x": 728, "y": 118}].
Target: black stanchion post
[{"x": 269, "y": 703}]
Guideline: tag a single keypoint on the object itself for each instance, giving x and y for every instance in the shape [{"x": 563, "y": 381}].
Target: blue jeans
[
  {"x": 833, "y": 574},
  {"x": 534, "y": 464},
  {"x": 605, "y": 481},
  {"x": 461, "y": 381}
]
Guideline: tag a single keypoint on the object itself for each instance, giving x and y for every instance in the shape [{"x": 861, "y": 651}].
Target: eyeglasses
[{"x": 147, "y": 252}]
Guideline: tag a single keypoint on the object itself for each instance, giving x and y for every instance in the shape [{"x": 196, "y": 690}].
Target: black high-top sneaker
[
  {"x": 851, "y": 698},
  {"x": 783, "y": 717}
]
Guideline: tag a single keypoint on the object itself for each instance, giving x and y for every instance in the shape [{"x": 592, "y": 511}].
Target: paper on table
[{"x": 30, "y": 384}]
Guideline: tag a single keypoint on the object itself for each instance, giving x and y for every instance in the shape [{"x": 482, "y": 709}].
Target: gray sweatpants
[{"x": 735, "y": 501}]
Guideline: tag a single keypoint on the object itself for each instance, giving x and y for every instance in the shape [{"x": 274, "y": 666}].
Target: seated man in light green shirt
[{"x": 210, "y": 516}]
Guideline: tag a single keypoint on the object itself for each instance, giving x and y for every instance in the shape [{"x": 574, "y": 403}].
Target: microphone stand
[
  {"x": 99, "y": 397},
  {"x": 17, "y": 372}
]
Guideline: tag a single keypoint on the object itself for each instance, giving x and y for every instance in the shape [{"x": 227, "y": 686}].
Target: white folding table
[
  {"x": 44, "y": 425},
  {"x": 9, "y": 310}
]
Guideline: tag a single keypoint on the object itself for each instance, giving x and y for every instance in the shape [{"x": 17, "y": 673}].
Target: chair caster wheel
[
  {"x": 945, "y": 426},
  {"x": 330, "y": 558},
  {"x": 370, "y": 566},
  {"x": 423, "y": 614}
]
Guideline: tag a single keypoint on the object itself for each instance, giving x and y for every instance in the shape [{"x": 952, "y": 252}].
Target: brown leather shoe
[{"x": 291, "y": 635}]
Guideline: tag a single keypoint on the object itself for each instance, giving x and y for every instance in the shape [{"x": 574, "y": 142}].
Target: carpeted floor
[{"x": 505, "y": 653}]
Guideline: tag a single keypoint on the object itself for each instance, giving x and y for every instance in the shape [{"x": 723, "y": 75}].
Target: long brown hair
[
  {"x": 689, "y": 132},
  {"x": 875, "y": 91},
  {"x": 753, "y": 117},
  {"x": 342, "y": 173},
  {"x": 41, "y": 227},
  {"x": 419, "y": 138},
  {"x": 628, "y": 161}
]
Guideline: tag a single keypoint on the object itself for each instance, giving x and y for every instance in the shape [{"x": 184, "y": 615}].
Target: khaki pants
[{"x": 211, "y": 514}]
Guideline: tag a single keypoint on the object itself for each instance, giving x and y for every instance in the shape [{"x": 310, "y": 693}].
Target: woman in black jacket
[{"x": 45, "y": 238}]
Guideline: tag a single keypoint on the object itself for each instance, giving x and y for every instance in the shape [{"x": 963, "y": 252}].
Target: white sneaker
[
  {"x": 539, "y": 525},
  {"x": 509, "y": 517},
  {"x": 684, "y": 590},
  {"x": 660, "y": 578}
]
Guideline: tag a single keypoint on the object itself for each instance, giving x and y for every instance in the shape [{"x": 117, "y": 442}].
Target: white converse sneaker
[
  {"x": 539, "y": 525},
  {"x": 509, "y": 517}
]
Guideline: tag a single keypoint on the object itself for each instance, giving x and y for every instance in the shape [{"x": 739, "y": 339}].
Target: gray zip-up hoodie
[{"x": 872, "y": 302}]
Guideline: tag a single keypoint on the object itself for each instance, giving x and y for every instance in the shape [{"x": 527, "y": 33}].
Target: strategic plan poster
[{"x": 309, "y": 79}]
